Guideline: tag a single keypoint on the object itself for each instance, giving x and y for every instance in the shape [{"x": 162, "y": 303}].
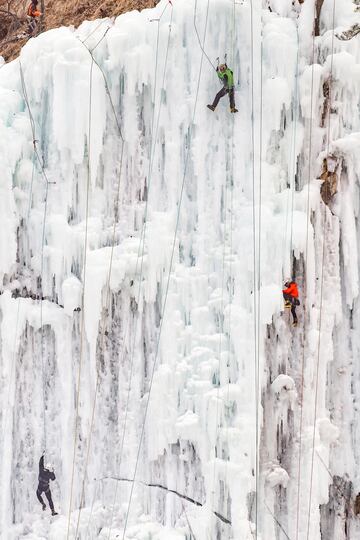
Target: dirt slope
[{"x": 56, "y": 13}]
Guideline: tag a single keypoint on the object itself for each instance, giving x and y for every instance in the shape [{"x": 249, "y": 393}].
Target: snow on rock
[
  {"x": 328, "y": 432},
  {"x": 71, "y": 293},
  {"x": 284, "y": 388},
  {"x": 277, "y": 476}
]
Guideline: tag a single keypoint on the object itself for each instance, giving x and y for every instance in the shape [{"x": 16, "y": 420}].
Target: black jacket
[{"x": 44, "y": 476}]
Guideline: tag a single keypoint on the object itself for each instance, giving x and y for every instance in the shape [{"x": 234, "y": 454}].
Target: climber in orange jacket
[
  {"x": 291, "y": 297},
  {"x": 32, "y": 15}
]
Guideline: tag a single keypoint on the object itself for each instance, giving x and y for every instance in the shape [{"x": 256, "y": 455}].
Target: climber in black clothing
[{"x": 45, "y": 475}]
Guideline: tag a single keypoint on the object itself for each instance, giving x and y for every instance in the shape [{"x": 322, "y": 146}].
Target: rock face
[
  {"x": 13, "y": 23},
  {"x": 143, "y": 244}
]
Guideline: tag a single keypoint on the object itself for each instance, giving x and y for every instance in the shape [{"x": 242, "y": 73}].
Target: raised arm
[{"x": 41, "y": 464}]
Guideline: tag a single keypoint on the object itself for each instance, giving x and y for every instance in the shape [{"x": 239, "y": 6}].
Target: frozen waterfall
[{"x": 143, "y": 244}]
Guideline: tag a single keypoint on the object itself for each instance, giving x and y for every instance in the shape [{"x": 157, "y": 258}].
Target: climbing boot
[
  {"x": 294, "y": 323},
  {"x": 211, "y": 107},
  {"x": 44, "y": 507},
  {"x": 233, "y": 109},
  {"x": 53, "y": 513},
  {"x": 287, "y": 304}
]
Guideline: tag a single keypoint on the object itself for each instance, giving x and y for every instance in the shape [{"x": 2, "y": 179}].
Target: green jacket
[{"x": 227, "y": 77}]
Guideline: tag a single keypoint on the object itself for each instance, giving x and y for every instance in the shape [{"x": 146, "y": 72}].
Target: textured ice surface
[{"x": 227, "y": 360}]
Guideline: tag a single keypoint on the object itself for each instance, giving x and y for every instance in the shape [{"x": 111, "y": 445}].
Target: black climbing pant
[
  {"x": 32, "y": 24},
  {"x": 294, "y": 302},
  {"x": 223, "y": 93},
  {"x": 47, "y": 492}
]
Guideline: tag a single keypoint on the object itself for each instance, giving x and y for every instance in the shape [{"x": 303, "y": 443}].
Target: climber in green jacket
[{"x": 227, "y": 78}]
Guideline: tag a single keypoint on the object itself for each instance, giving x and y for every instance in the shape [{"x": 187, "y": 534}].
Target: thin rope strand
[
  {"x": 32, "y": 123},
  {"x": 142, "y": 241},
  {"x": 254, "y": 262},
  {"x": 306, "y": 267},
  {"x": 321, "y": 285},
  {"x": 168, "y": 282},
  {"x": 82, "y": 304},
  {"x": 107, "y": 288}
]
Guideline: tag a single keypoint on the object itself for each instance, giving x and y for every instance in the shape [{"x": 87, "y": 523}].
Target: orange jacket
[
  {"x": 292, "y": 290},
  {"x": 33, "y": 12}
]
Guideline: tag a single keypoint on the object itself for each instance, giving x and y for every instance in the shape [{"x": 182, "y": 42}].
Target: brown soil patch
[{"x": 57, "y": 13}]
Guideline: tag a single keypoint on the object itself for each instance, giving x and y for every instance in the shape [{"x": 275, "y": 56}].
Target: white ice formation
[{"x": 143, "y": 244}]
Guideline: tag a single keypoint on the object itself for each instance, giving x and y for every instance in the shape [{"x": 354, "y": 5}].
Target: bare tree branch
[{"x": 349, "y": 34}]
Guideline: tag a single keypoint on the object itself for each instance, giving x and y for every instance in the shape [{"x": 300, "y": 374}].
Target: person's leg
[
  {"x": 232, "y": 98},
  {"x": 287, "y": 297},
  {"x": 218, "y": 96},
  {"x": 48, "y": 496},
  {"x": 293, "y": 313},
  {"x": 31, "y": 26},
  {"x": 40, "y": 499}
]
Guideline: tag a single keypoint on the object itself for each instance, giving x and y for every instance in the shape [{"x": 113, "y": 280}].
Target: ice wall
[{"x": 144, "y": 241}]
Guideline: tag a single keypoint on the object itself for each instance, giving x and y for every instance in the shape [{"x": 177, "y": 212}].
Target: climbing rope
[
  {"x": 93, "y": 59},
  {"x": 255, "y": 292},
  {"x": 221, "y": 331},
  {"x": 13, "y": 369},
  {"x": 108, "y": 281},
  {"x": 82, "y": 306},
  {"x": 334, "y": 484},
  {"x": 141, "y": 249},
  {"x": 294, "y": 134},
  {"x": 94, "y": 30},
  {"x": 162, "y": 13},
  {"x": 199, "y": 40},
  {"x": 31, "y": 186},
  {"x": 276, "y": 521},
  {"x": 41, "y": 310},
  {"x": 107, "y": 287},
  {"x": 321, "y": 283},
  {"x": 257, "y": 311},
  {"x": 92, "y": 508},
  {"x": 292, "y": 168},
  {"x": 13, "y": 362},
  {"x": 306, "y": 263},
  {"x": 36, "y": 152},
  {"x": 32, "y": 123},
  {"x": 229, "y": 181},
  {"x": 168, "y": 280},
  {"x": 188, "y": 521}
]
